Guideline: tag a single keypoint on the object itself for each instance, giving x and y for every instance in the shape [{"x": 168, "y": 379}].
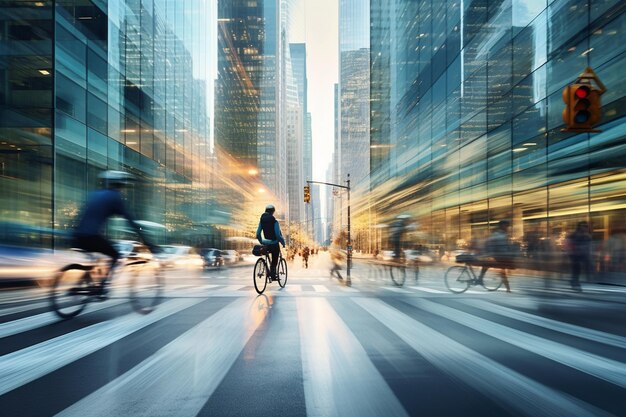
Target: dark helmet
[{"x": 269, "y": 208}]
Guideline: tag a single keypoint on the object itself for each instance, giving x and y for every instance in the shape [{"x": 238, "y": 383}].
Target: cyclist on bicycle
[
  {"x": 102, "y": 204},
  {"x": 272, "y": 236},
  {"x": 397, "y": 229}
]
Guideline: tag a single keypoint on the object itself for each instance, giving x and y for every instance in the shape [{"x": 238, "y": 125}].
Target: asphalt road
[{"x": 320, "y": 348}]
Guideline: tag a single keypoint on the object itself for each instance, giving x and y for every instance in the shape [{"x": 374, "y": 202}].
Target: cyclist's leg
[
  {"x": 505, "y": 279},
  {"x": 274, "y": 250},
  {"x": 97, "y": 243}
]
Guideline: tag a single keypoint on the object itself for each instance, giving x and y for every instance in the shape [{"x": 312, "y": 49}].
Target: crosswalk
[{"x": 219, "y": 349}]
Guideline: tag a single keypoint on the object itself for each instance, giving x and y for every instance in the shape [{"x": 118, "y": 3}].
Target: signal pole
[{"x": 349, "y": 243}]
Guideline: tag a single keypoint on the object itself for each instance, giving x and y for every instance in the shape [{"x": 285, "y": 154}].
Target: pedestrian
[
  {"x": 578, "y": 246},
  {"x": 305, "y": 256},
  {"x": 498, "y": 247},
  {"x": 337, "y": 257}
]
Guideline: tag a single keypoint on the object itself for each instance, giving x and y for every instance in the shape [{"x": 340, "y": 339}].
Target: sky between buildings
[{"x": 315, "y": 22}]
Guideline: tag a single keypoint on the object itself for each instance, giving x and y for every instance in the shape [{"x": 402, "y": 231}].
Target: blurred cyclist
[
  {"x": 102, "y": 204},
  {"x": 272, "y": 236},
  {"x": 397, "y": 229}
]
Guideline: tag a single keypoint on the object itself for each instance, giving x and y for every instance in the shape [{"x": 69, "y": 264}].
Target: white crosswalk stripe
[
  {"x": 137, "y": 392},
  {"x": 332, "y": 354},
  {"x": 44, "y": 319},
  {"x": 607, "y": 369},
  {"x": 518, "y": 392},
  {"x": 23, "y": 366},
  {"x": 559, "y": 326},
  {"x": 326, "y": 359}
]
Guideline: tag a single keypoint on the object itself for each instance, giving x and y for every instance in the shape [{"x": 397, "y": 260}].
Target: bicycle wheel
[
  {"x": 146, "y": 286},
  {"x": 398, "y": 274},
  {"x": 492, "y": 280},
  {"x": 457, "y": 279},
  {"x": 71, "y": 289},
  {"x": 282, "y": 273},
  {"x": 260, "y": 276}
]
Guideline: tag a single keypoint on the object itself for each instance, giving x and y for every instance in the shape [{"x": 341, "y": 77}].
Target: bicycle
[
  {"x": 261, "y": 274},
  {"x": 76, "y": 285},
  {"x": 398, "y": 270},
  {"x": 459, "y": 278}
]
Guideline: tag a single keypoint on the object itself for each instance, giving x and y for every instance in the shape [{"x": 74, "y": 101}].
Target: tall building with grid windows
[
  {"x": 89, "y": 85},
  {"x": 251, "y": 88},
  {"x": 466, "y": 117}
]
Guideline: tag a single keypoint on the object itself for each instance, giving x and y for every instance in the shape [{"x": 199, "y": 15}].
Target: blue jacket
[
  {"x": 271, "y": 230},
  {"x": 101, "y": 205}
]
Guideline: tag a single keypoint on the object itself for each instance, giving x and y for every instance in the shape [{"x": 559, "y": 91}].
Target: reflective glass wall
[
  {"x": 95, "y": 85},
  {"x": 466, "y": 116}
]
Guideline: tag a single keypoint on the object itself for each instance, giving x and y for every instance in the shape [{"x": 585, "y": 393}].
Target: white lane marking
[
  {"x": 179, "y": 378},
  {"x": 511, "y": 389},
  {"x": 339, "y": 378},
  {"x": 209, "y": 286},
  {"x": 320, "y": 288},
  {"x": 21, "y": 309},
  {"x": 600, "y": 367},
  {"x": 400, "y": 290},
  {"x": 426, "y": 289},
  {"x": 602, "y": 288},
  {"x": 348, "y": 289},
  {"x": 26, "y": 365},
  {"x": 559, "y": 326},
  {"x": 44, "y": 319},
  {"x": 229, "y": 288},
  {"x": 293, "y": 288}
]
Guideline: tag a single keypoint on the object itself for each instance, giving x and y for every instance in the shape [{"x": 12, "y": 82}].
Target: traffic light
[
  {"x": 582, "y": 108},
  {"x": 307, "y": 194}
]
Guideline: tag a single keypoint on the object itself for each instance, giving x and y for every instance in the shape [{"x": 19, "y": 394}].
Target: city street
[{"x": 320, "y": 348}]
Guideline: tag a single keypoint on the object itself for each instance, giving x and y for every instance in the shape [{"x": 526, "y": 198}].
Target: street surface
[{"x": 320, "y": 348}]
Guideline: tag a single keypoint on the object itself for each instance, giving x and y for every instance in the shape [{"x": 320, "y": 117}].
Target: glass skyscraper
[
  {"x": 466, "y": 116},
  {"x": 248, "y": 89},
  {"x": 90, "y": 85}
]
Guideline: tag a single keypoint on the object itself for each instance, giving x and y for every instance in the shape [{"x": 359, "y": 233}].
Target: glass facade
[
  {"x": 247, "y": 123},
  {"x": 466, "y": 117},
  {"x": 354, "y": 87},
  {"x": 92, "y": 85}
]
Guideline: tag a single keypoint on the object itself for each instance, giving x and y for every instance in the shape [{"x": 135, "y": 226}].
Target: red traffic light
[
  {"x": 582, "y": 91},
  {"x": 582, "y": 108}
]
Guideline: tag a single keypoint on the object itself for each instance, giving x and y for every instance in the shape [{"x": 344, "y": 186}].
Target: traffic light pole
[{"x": 349, "y": 245}]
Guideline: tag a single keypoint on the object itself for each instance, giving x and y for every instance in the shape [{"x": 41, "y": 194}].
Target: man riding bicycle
[
  {"x": 272, "y": 236},
  {"x": 102, "y": 204},
  {"x": 397, "y": 230}
]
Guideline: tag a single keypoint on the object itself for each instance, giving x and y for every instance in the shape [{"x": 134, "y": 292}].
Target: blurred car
[
  {"x": 212, "y": 257},
  {"x": 180, "y": 257},
  {"x": 27, "y": 264},
  {"x": 132, "y": 250},
  {"x": 387, "y": 255},
  {"x": 231, "y": 256},
  {"x": 416, "y": 256}
]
